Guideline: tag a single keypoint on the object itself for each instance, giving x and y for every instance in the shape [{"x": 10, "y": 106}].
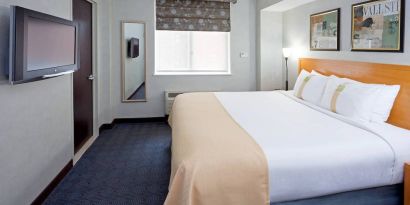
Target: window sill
[{"x": 192, "y": 74}]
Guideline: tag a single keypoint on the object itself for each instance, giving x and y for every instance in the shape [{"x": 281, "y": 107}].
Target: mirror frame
[{"x": 123, "y": 55}]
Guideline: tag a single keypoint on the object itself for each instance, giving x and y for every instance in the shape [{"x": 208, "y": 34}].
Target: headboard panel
[{"x": 370, "y": 73}]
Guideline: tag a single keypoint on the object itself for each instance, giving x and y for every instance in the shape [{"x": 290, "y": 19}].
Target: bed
[{"x": 236, "y": 148}]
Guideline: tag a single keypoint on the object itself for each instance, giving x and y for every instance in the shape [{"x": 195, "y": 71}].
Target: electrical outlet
[{"x": 243, "y": 54}]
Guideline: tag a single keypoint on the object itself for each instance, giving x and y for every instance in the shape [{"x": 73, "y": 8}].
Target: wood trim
[
  {"x": 370, "y": 73},
  {"x": 53, "y": 184},
  {"x": 407, "y": 184}
]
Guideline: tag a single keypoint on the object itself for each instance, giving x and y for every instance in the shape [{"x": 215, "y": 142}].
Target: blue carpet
[{"x": 129, "y": 164}]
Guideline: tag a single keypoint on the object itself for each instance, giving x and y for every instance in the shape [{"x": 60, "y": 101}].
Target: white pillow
[
  {"x": 369, "y": 102},
  {"x": 349, "y": 99},
  {"x": 302, "y": 75},
  {"x": 384, "y": 103},
  {"x": 311, "y": 89},
  {"x": 384, "y": 100}
]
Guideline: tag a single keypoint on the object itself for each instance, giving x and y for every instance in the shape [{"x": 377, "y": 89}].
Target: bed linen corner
[{"x": 211, "y": 155}]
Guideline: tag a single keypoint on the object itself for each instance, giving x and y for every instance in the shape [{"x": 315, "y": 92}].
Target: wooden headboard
[{"x": 370, "y": 73}]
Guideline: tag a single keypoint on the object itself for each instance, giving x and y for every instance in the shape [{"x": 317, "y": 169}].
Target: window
[{"x": 192, "y": 52}]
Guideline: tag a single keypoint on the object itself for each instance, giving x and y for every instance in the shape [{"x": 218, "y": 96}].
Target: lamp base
[{"x": 287, "y": 74}]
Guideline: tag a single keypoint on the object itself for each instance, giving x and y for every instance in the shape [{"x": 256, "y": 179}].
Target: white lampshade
[{"x": 287, "y": 52}]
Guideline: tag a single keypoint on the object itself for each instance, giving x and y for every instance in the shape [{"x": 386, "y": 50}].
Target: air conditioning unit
[
  {"x": 169, "y": 100},
  {"x": 171, "y": 95}
]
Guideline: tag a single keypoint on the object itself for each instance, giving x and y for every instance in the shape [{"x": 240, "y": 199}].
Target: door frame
[{"x": 94, "y": 69}]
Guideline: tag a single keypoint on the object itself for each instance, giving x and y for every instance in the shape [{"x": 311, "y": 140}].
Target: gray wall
[
  {"x": 270, "y": 53},
  {"x": 268, "y": 46},
  {"x": 36, "y": 129},
  {"x": 103, "y": 72},
  {"x": 296, "y": 35},
  {"x": 243, "y": 76}
]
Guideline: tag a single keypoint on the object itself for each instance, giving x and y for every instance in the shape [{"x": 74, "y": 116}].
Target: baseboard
[
  {"x": 131, "y": 120},
  {"x": 53, "y": 184},
  {"x": 81, "y": 145},
  {"x": 106, "y": 127},
  {"x": 139, "y": 120},
  {"x": 79, "y": 153}
]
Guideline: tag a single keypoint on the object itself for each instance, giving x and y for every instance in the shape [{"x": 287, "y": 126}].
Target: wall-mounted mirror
[{"x": 133, "y": 61}]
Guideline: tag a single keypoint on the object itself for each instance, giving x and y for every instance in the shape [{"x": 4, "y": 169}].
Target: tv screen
[
  {"x": 133, "y": 48},
  {"x": 49, "y": 44},
  {"x": 41, "y": 46}
]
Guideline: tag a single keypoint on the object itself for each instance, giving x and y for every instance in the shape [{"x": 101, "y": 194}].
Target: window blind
[{"x": 194, "y": 15}]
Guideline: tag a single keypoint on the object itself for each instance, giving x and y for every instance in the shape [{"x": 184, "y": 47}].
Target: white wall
[
  {"x": 243, "y": 76},
  {"x": 270, "y": 51},
  {"x": 104, "y": 104},
  {"x": 296, "y": 35},
  {"x": 269, "y": 46},
  {"x": 36, "y": 120}
]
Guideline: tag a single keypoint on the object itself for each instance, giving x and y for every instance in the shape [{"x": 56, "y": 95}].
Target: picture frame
[
  {"x": 378, "y": 30},
  {"x": 325, "y": 31}
]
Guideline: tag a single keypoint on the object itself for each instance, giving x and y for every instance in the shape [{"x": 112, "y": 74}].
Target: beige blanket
[{"x": 214, "y": 161}]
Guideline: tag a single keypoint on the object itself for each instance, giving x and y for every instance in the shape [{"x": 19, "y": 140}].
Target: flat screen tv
[
  {"x": 41, "y": 46},
  {"x": 134, "y": 48}
]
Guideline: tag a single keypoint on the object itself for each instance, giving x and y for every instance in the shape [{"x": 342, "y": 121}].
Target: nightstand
[{"x": 407, "y": 184}]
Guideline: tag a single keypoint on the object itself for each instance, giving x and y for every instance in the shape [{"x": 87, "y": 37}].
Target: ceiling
[{"x": 285, "y": 5}]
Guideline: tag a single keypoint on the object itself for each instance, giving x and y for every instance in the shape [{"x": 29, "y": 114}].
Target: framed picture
[
  {"x": 378, "y": 25},
  {"x": 325, "y": 31}
]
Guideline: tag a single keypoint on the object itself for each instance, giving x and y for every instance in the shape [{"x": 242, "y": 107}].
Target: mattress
[{"x": 310, "y": 152}]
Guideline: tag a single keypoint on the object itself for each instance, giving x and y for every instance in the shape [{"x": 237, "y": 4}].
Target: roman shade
[{"x": 194, "y": 15}]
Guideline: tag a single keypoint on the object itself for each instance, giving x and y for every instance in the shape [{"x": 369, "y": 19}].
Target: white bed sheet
[{"x": 313, "y": 152}]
